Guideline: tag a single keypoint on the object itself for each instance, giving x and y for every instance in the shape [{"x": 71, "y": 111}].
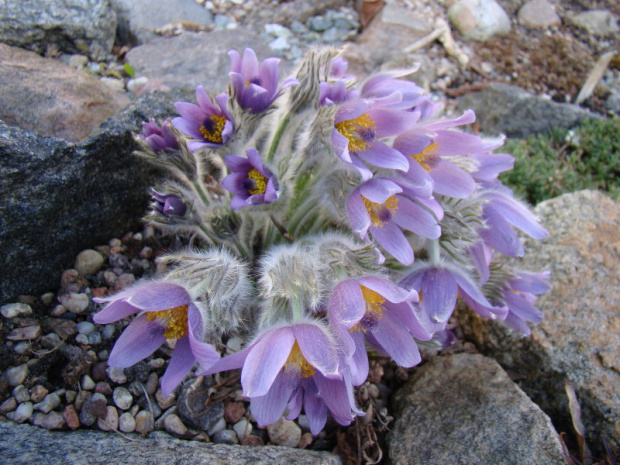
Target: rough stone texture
[
  {"x": 287, "y": 12},
  {"x": 538, "y": 14},
  {"x": 464, "y": 409},
  {"x": 138, "y": 19},
  {"x": 192, "y": 59},
  {"x": 510, "y": 110},
  {"x": 596, "y": 22},
  {"x": 52, "y": 99},
  {"x": 579, "y": 337},
  {"x": 479, "y": 19},
  {"x": 193, "y": 407},
  {"x": 57, "y": 198},
  {"x": 25, "y": 445},
  {"x": 85, "y": 27}
]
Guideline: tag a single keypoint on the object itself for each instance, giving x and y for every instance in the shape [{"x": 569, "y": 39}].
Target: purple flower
[
  {"x": 376, "y": 207},
  {"x": 168, "y": 204},
  {"x": 378, "y": 310},
  {"x": 161, "y": 139},
  {"x": 290, "y": 362},
  {"x": 384, "y": 84},
  {"x": 256, "y": 87},
  {"x": 166, "y": 312},
  {"x": 249, "y": 181},
  {"x": 358, "y": 126},
  {"x": 331, "y": 93},
  {"x": 519, "y": 295},
  {"x": 209, "y": 122}
]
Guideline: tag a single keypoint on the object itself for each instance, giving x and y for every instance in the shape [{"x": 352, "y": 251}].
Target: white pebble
[
  {"x": 117, "y": 375},
  {"x": 217, "y": 427},
  {"x": 22, "y": 413},
  {"x": 122, "y": 398},
  {"x": 85, "y": 327},
  {"x": 21, "y": 394},
  {"x": 87, "y": 383},
  {"x": 15, "y": 309},
  {"x": 127, "y": 423},
  {"x": 58, "y": 310},
  {"x": 144, "y": 422},
  {"x": 133, "y": 84},
  {"x": 22, "y": 347},
  {"x": 110, "y": 422},
  {"x": 243, "y": 427},
  {"x": 81, "y": 339},
  {"x": 88, "y": 261},
  {"x": 108, "y": 331},
  {"x": 75, "y": 303},
  {"x": 174, "y": 425},
  {"x": 49, "y": 403},
  {"x": 16, "y": 375}
]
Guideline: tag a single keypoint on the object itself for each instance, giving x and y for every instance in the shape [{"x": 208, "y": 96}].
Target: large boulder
[
  {"x": 578, "y": 340},
  {"x": 87, "y": 27},
  {"x": 57, "y": 198},
  {"x": 464, "y": 409}
]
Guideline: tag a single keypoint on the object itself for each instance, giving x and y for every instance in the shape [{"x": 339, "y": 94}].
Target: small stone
[
  {"x": 538, "y": 14},
  {"x": 22, "y": 347},
  {"x": 252, "y": 440},
  {"x": 94, "y": 338},
  {"x": 174, "y": 425},
  {"x": 218, "y": 426},
  {"x": 103, "y": 388},
  {"x": 70, "y": 396},
  {"x": 122, "y": 398},
  {"x": 226, "y": 436},
  {"x": 69, "y": 276},
  {"x": 156, "y": 363},
  {"x": 233, "y": 411},
  {"x": 95, "y": 407},
  {"x": 47, "y": 298},
  {"x": 99, "y": 371},
  {"x": 164, "y": 402},
  {"x": 479, "y": 19},
  {"x": 8, "y": 405},
  {"x": 113, "y": 83},
  {"x": 58, "y": 310},
  {"x": 194, "y": 408},
  {"x": 81, "y": 397},
  {"x": 22, "y": 413},
  {"x": 81, "y": 339},
  {"x": 88, "y": 261},
  {"x": 78, "y": 61},
  {"x": 117, "y": 375},
  {"x": 110, "y": 421},
  {"x": 146, "y": 252},
  {"x": 144, "y": 422},
  {"x": 17, "y": 375},
  {"x": 127, "y": 423},
  {"x": 50, "y": 421},
  {"x": 135, "y": 83},
  {"x": 596, "y": 22},
  {"x": 151, "y": 384},
  {"x": 15, "y": 309},
  {"x": 110, "y": 278},
  {"x": 243, "y": 427},
  {"x": 85, "y": 327},
  {"x": 108, "y": 331},
  {"x": 123, "y": 281},
  {"x": 284, "y": 433},
  {"x": 51, "y": 341},
  {"x": 318, "y": 23},
  {"x": 27, "y": 333},
  {"x": 64, "y": 328},
  {"x": 21, "y": 394},
  {"x": 49, "y": 403},
  {"x": 75, "y": 302},
  {"x": 305, "y": 441},
  {"x": 71, "y": 417},
  {"x": 302, "y": 421},
  {"x": 279, "y": 44}
]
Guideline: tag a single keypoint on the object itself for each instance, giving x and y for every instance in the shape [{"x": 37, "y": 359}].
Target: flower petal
[
  {"x": 393, "y": 240},
  {"x": 181, "y": 362},
  {"x": 317, "y": 348},
  {"x": 139, "y": 340},
  {"x": 316, "y": 412},
  {"x": 382, "y": 155},
  {"x": 395, "y": 340},
  {"x": 412, "y": 217},
  {"x": 269, "y": 408}
]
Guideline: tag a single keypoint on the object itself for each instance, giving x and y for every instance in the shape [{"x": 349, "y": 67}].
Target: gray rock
[
  {"x": 596, "y": 22},
  {"x": 538, "y": 14},
  {"x": 122, "y": 398},
  {"x": 75, "y": 303},
  {"x": 295, "y": 10},
  {"x": 8, "y": 405},
  {"x": 138, "y": 19},
  {"x": 74, "y": 26},
  {"x": 226, "y": 436},
  {"x": 191, "y": 59},
  {"x": 49, "y": 421},
  {"x": 23, "y": 412},
  {"x": 28, "y": 333},
  {"x": 578, "y": 340},
  {"x": 284, "y": 433},
  {"x": 25, "y": 445},
  {"x": 49, "y": 403},
  {"x": 194, "y": 409},
  {"x": 145, "y": 422},
  {"x": 88, "y": 261},
  {"x": 464, "y": 409},
  {"x": 479, "y": 19},
  {"x": 42, "y": 179},
  {"x": 21, "y": 394},
  {"x": 127, "y": 423},
  {"x": 510, "y": 110},
  {"x": 174, "y": 425},
  {"x": 16, "y": 375},
  {"x": 110, "y": 421},
  {"x": 85, "y": 327}
]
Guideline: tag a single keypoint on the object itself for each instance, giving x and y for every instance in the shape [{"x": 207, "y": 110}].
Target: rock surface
[
  {"x": 25, "y": 445},
  {"x": 479, "y": 19},
  {"x": 538, "y": 14},
  {"x": 463, "y": 409},
  {"x": 52, "y": 99},
  {"x": 71, "y": 26},
  {"x": 510, "y": 110},
  {"x": 579, "y": 338}
]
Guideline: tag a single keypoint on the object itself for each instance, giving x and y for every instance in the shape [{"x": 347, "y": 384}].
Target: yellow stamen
[
  {"x": 355, "y": 130},
  {"x": 377, "y": 210},
  {"x": 260, "y": 182},
  {"x": 174, "y": 320},
  {"x": 426, "y": 157},
  {"x": 374, "y": 308},
  {"x": 214, "y": 135},
  {"x": 296, "y": 357}
]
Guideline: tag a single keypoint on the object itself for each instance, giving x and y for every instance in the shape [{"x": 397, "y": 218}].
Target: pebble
[
  {"x": 174, "y": 425},
  {"x": 64, "y": 328},
  {"x": 69, "y": 276},
  {"x": 117, "y": 375},
  {"x": 156, "y": 363},
  {"x": 218, "y": 426},
  {"x": 110, "y": 278},
  {"x": 99, "y": 371},
  {"x": 103, "y": 388},
  {"x": 22, "y": 347},
  {"x": 123, "y": 281},
  {"x": 49, "y": 421},
  {"x": 253, "y": 440},
  {"x": 479, "y": 19},
  {"x": 226, "y": 436},
  {"x": 89, "y": 261},
  {"x": 75, "y": 302},
  {"x": 538, "y": 14},
  {"x": 595, "y": 22},
  {"x": 15, "y": 309},
  {"x": 133, "y": 84},
  {"x": 85, "y": 327},
  {"x": 71, "y": 417},
  {"x": 58, "y": 310},
  {"x": 164, "y": 402},
  {"x": 81, "y": 339},
  {"x": 151, "y": 385},
  {"x": 8, "y": 405},
  {"x": 144, "y": 422},
  {"x": 305, "y": 441},
  {"x": 95, "y": 407},
  {"x": 122, "y": 398},
  {"x": 78, "y": 61},
  {"x": 47, "y": 298},
  {"x": 284, "y": 433},
  {"x": 81, "y": 398},
  {"x": 127, "y": 423},
  {"x": 49, "y": 403},
  {"x": 95, "y": 338},
  {"x": 51, "y": 341},
  {"x": 115, "y": 84},
  {"x": 27, "y": 333},
  {"x": 110, "y": 421},
  {"x": 17, "y": 375},
  {"x": 22, "y": 413},
  {"x": 146, "y": 252},
  {"x": 70, "y": 396},
  {"x": 233, "y": 411},
  {"x": 243, "y": 427},
  {"x": 108, "y": 331},
  {"x": 21, "y": 394}
]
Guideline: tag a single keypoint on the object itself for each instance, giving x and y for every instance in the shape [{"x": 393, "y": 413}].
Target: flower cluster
[{"x": 328, "y": 217}]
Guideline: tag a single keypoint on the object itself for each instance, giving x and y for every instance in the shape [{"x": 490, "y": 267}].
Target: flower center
[
  {"x": 374, "y": 310},
  {"x": 381, "y": 213},
  {"x": 296, "y": 357},
  {"x": 428, "y": 157},
  {"x": 257, "y": 182},
  {"x": 174, "y": 321},
  {"x": 211, "y": 129},
  {"x": 359, "y": 131}
]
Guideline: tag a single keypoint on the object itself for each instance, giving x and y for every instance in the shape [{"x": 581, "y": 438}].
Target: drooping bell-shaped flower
[
  {"x": 256, "y": 86},
  {"x": 519, "y": 295},
  {"x": 168, "y": 204},
  {"x": 166, "y": 311},
  {"x": 209, "y": 123},
  {"x": 160, "y": 139},
  {"x": 250, "y": 181}
]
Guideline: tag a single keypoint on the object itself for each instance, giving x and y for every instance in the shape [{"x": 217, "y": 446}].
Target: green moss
[{"x": 548, "y": 165}]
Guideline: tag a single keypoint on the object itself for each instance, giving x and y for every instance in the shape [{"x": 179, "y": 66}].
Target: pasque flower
[
  {"x": 287, "y": 362},
  {"x": 168, "y": 204},
  {"x": 250, "y": 181},
  {"x": 519, "y": 295},
  {"x": 209, "y": 122},
  {"x": 256, "y": 86},
  {"x": 166, "y": 311},
  {"x": 161, "y": 139}
]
